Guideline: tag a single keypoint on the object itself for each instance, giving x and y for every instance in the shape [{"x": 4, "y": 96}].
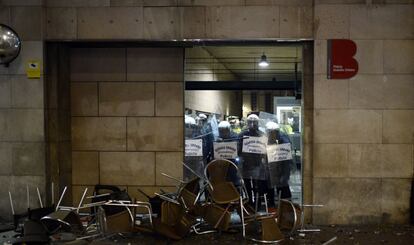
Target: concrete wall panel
[
  {"x": 27, "y": 22},
  {"x": 110, "y": 23},
  {"x": 296, "y": 22},
  {"x": 61, "y": 23},
  {"x": 381, "y": 21},
  {"x": 331, "y": 21},
  {"x": 243, "y": 22},
  {"x": 193, "y": 22},
  {"x": 210, "y": 2},
  {"x": 77, "y": 3},
  {"x": 162, "y": 23}
]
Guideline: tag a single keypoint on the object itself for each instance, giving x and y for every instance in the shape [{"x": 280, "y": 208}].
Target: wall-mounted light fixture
[{"x": 263, "y": 61}]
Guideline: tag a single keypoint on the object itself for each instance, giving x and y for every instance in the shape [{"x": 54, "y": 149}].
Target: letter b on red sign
[{"x": 341, "y": 61}]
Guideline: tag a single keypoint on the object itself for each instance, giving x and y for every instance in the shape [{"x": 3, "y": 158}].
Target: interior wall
[
  {"x": 127, "y": 118},
  {"x": 214, "y": 101}
]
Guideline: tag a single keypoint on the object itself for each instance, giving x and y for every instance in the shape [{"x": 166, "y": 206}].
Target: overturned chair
[{"x": 225, "y": 192}]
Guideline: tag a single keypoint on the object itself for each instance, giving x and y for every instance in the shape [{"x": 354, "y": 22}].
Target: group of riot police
[{"x": 260, "y": 175}]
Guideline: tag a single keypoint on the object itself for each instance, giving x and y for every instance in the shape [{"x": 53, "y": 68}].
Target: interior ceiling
[{"x": 242, "y": 61}]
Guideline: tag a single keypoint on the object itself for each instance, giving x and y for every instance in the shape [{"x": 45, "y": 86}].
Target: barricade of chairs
[{"x": 214, "y": 202}]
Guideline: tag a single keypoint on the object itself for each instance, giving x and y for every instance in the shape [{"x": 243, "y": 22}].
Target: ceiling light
[{"x": 263, "y": 61}]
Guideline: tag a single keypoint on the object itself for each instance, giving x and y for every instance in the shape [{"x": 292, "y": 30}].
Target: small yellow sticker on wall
[{"x": 33, "y": 69}]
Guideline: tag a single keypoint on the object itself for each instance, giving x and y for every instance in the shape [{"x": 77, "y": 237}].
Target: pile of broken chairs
[{"x": 207, "y": 203}]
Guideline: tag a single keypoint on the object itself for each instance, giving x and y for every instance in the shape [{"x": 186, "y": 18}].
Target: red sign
[{"x": 341, "y": 61}]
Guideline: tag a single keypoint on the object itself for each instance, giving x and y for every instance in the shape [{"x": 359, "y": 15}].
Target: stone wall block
[
  {"x": 61, "y": 23},
  {"x": 85, "y": 168},
  {"x": 169, "y": 99},
  {"x": 28, "y": 159},
  {"x": 126, "y": 99},
  {"x": 296, "y": 22},
  {"x": 6, "y": 150},
  {"x": 331, "y": 21},
  {"x": 320, "y": 57},
  {"x": 84, "y": 99},
  {"x": 22, "y": 125},
  {"x": 162, "y": 23},
  {"x": 369, "y": 56},
  {"x": 348, "y": 126},
  {"x": 398, "y": 91},
  {"x": 243, "y": 22},
  {"x": 27, "y": 22},
  {"x": 347, "y": 201},
  {"x": 98, "y": 64},
  {"x": 398, "y": 126},
  {"x": 395, "y": 200},
  {"x": 382, "y": 21},
  {"x": 27, "y": 93},
  {"x": 399, "y": 55},
  {"x": 110, "y": 23},
  {"x": 330, "y": 93},
  {"x": 127, "y": 168},
  {"x": 169, "y": 163},
  {"x": 155, "y": 134},
  {"x": 330, "y": 160},
  {"x": 366, "y": 92},
  {"x": 5, "y": 91},
  {"x": 99, "y": 133},
  {"x": 155, "y": 64}
]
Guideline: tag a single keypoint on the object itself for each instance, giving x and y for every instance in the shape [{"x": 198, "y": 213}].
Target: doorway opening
[{"x": 224, "y": 85}]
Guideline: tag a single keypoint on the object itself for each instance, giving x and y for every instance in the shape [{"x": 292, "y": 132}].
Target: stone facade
[{"x": 359, "y": 132}]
